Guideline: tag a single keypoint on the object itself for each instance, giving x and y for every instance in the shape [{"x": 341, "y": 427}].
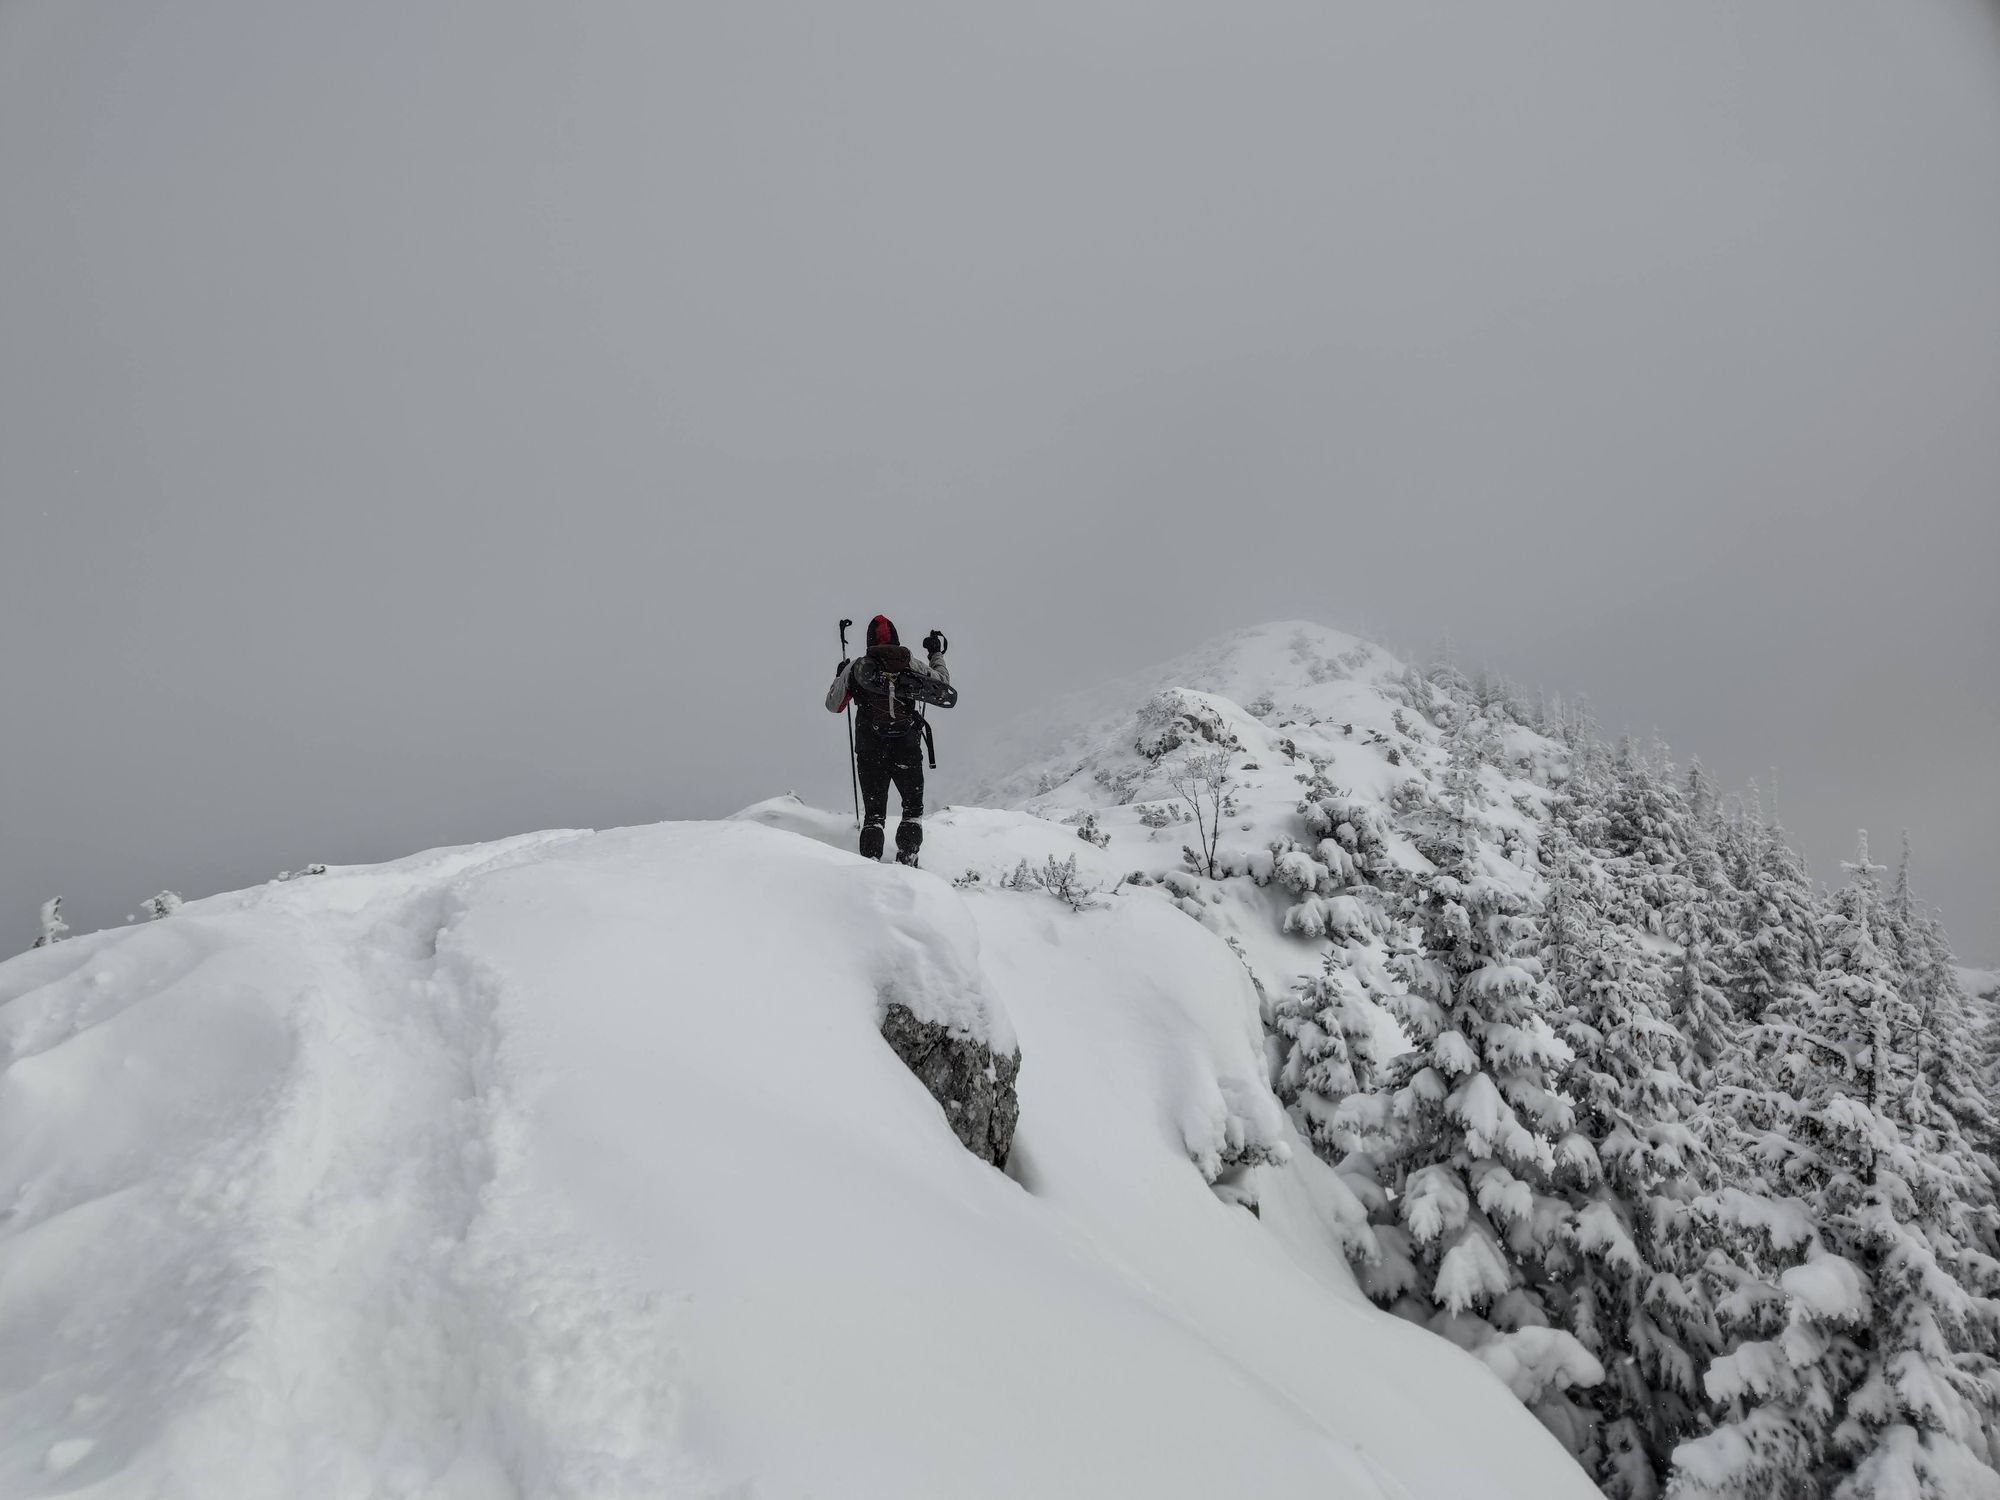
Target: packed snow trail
[
  {"x": 293, "y": 1244},
  {"x": 574, "y": 1165}
]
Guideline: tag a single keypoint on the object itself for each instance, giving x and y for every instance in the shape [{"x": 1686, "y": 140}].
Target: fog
[{"x": 421, "y": 423}]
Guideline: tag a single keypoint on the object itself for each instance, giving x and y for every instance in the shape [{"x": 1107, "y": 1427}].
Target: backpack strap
[{"x": 930, "y": 741}]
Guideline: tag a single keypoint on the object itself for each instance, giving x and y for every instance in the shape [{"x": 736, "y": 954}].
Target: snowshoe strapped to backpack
[{"x": 889, "y": 693}]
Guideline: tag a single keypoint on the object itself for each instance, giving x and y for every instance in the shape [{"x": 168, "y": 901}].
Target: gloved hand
[
  {"x": 935, "y": 643},
  {"x": 841, "y": 668}
]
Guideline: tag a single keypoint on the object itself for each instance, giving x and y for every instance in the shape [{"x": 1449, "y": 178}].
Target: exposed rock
[
  {"x": 1177, "y": 717},
  {"x": 974, "y": 1087}
]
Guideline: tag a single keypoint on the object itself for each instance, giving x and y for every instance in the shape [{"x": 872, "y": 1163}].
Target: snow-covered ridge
[
  {"x": 1281, "y": 698},
  {"x": 574, "y": 1165},
  {"x": 1288, "y": 659}
]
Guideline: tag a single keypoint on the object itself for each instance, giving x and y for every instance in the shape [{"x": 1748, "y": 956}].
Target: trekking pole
[{"x": 853, "y": 771}]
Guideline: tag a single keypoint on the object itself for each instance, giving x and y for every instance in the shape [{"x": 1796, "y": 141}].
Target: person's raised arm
[
  {"x": 837, "y": 695},
  {"x": 935, "y": 644}
]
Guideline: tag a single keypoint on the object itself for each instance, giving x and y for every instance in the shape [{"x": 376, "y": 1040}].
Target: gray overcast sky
[{"x": 428, "y": 422}]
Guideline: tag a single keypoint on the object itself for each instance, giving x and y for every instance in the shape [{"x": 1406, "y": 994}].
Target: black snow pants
[{"x": 880, "y": 759}]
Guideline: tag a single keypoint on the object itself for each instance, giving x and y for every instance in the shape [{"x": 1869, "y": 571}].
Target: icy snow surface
[{"x": 574, "y": 1166}]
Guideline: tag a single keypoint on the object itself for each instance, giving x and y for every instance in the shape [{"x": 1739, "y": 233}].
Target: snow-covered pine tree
[
  {"x": 1647, "y": 832},
  {"x": 1775, "y": 948},
  {"x": 1704, "y": 806},
  {"x": 1736, "y": 832},
  {"x": 1334, "y": 869},
  {"x": 1864, "y": 1002},
  {"x": 1947, "y": 1045},
  {"x": 1451, "y": 692},
  {"x": 1880, "y": 1383},
  {"x": 1568, "y": 917},
  {"x": 1461, "y": 796},
  {"x": 1578, "y": 808},
  {"x": 1700, "y": 1005},
  {"x": 1329, "y": 1019},
  {"x": 1618, "y": 1289},
  {"x": 1951, "y": 1046},
  {"x": 1455, "y": 1154},
  {"x": 1328, "y": 1022}
]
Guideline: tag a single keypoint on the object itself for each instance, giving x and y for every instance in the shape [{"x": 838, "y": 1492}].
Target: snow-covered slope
[
  {"x": 1295, "y": 661},
  {"x": 1283, "y": 698},
  {"x": 574, "y": 1166}
]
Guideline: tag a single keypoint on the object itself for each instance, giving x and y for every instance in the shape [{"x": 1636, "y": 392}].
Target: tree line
[{"x": 1697, "y": 1155}]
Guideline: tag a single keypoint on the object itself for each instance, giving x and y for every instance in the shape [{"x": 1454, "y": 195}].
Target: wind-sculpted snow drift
[{"x": 576, "y": 1165}]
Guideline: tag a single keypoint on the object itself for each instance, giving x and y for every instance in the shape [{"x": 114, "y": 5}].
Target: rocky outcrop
[{"x": 971, "y": 1083}]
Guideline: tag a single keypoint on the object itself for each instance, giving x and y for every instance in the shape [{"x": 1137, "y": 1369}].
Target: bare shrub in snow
[
  {"x": 163, "y": 905},
  {"x": 1122, "y": 784},
  {"x": 1201, "y": 780},
  {"x": 1059, "y": 878}
]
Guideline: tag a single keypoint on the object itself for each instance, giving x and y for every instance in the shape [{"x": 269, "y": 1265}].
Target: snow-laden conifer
[
  {"x": 1329, "y": 1020},
  {"x": 1880, "y": 1383},
  {"x": 1775, "y": 948},
  {"x": 1627, "y": 1166},
  {"x": 1700, "y": 1004},
  {"x": 1948, "y": 1043},
  {"x": 1457, "y": 1151},
  {"x": 1647, "y": 835}
]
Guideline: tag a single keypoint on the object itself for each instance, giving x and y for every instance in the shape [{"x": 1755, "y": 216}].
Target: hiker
[{"x": 888, "y": 685}]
